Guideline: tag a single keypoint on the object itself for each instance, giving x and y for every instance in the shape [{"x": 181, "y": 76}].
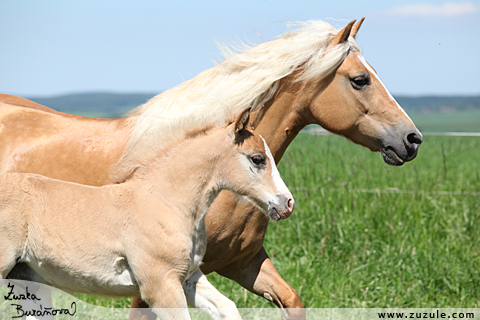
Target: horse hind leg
[
  {"x": 18, "y": 287},
  {"x": 23, "y": 279},
  {"x": 5, "y": 267},
  {"x": 11, "y": 249},
  {"x": 9, "y": 255},
  {"x": 13, "y": 232},
  {"x": 28, "y": 278}
]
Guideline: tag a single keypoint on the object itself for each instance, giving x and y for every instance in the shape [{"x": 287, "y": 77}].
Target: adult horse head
[{"x": 353, "y": 102}]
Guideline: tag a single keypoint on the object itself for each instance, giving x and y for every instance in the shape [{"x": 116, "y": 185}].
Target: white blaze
[{"x": 277, "y": 179}]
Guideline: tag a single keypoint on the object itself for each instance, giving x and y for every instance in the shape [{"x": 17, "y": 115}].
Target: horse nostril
[{"x": 414, "y": 138}]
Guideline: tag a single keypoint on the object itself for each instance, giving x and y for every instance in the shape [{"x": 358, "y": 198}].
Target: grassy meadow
[{"x": 365, "y": 234}]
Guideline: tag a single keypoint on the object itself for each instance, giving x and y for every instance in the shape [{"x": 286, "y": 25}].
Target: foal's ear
[{"x": 242, "y": 120}]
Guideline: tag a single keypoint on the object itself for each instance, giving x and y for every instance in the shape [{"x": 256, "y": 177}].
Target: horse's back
[
  {"x": 22, "y": 102},
  {"x": 59, "y": 145}
]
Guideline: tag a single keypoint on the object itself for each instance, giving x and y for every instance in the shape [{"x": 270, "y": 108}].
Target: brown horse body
[
  {"x": 349, "y": 100},
  {"x": 59, "y": 145}
]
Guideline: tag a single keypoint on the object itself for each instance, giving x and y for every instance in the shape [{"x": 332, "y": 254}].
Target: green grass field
[
  {"x": 365, "y": 234},
  {"x": 462, "y": 121}
]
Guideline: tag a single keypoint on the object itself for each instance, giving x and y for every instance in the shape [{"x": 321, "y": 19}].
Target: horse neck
[
  {"x": 284, "y": 117},
  {"x": 188, "y": 177}
]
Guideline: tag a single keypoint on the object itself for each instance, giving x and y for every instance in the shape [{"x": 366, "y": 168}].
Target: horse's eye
[
  {"x": 360, "y": 82},
  {"x": 257, "y": 160}
]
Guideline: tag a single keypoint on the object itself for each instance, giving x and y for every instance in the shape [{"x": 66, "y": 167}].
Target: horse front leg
[
  {"x": 260, "y": 277},
  {"x": 202, "y": 295}
]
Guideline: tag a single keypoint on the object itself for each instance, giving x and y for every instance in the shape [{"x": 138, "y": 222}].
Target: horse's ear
[
  {"x": 355, "y": 28},
  {"x": 342, "y": 35},
  {"x": 242, "y": 120}
]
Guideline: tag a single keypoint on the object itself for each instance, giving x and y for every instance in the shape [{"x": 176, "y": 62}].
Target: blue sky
[{"x": 50, "y": 48}]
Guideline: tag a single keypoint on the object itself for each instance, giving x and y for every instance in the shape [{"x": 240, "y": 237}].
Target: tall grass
[{"x": 365, "y": 234}]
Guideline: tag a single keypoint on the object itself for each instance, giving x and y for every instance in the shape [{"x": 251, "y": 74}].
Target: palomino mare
[
  {"x": 144, "y": 236},
  {"x": 312, "y": 75}
]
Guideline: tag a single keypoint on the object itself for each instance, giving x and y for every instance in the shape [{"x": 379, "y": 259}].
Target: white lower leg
[
  {"x": 203, "y": 295},
  {"x": 172, "y": 313}
]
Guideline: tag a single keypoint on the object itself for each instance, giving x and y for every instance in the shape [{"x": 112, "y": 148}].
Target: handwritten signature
[{"x": 41, "y": 311}]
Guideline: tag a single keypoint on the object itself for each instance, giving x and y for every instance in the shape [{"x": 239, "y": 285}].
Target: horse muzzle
[
  {"x": 397, "y": 152},
  {"x": 281, "y": 208}
]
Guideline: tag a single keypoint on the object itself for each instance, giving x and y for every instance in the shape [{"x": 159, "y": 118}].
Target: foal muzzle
[{"x": 281, "y": 208}]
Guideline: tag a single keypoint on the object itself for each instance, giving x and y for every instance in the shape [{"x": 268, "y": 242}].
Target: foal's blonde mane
[{"x": 249, "y": 76}]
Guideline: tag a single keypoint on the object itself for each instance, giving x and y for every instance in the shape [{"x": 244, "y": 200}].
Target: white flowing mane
[{"x": 249, "y": 76}]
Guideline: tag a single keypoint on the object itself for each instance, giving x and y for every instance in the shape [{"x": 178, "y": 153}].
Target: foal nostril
[
  {"x": 290, "y": 205},
  {"x": 414, "y": 138}
]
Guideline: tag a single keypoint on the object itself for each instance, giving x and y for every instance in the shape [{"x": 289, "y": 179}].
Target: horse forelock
[{"x": 248, "y": 77}]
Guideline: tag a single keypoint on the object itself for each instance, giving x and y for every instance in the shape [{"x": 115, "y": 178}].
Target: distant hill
[
  {"x": 108, "y": 105},
  {"x": 430, "y": 113},
  {"x": 442, "y": 104},
  {"x": 118, "y": 104}
]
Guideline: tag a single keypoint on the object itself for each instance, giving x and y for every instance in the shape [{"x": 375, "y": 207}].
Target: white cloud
[{"x": 447, "y": 9}]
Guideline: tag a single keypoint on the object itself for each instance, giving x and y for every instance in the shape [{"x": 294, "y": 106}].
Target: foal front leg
[
  {"x": 200, "y": 293},
  {"x": 166, "y": 298},
  {"x": 203, "y": 295}
]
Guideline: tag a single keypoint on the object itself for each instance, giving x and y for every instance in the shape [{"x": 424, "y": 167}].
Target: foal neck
[{"x": 188, "y": 175}]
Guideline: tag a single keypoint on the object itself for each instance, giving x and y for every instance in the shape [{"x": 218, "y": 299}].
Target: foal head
[{"x": 252, "y": 171}]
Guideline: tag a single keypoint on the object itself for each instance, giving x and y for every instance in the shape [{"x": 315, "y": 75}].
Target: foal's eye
[
  {"x": 257, "y": 160},
  {"x": 359, "y": 82}
]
